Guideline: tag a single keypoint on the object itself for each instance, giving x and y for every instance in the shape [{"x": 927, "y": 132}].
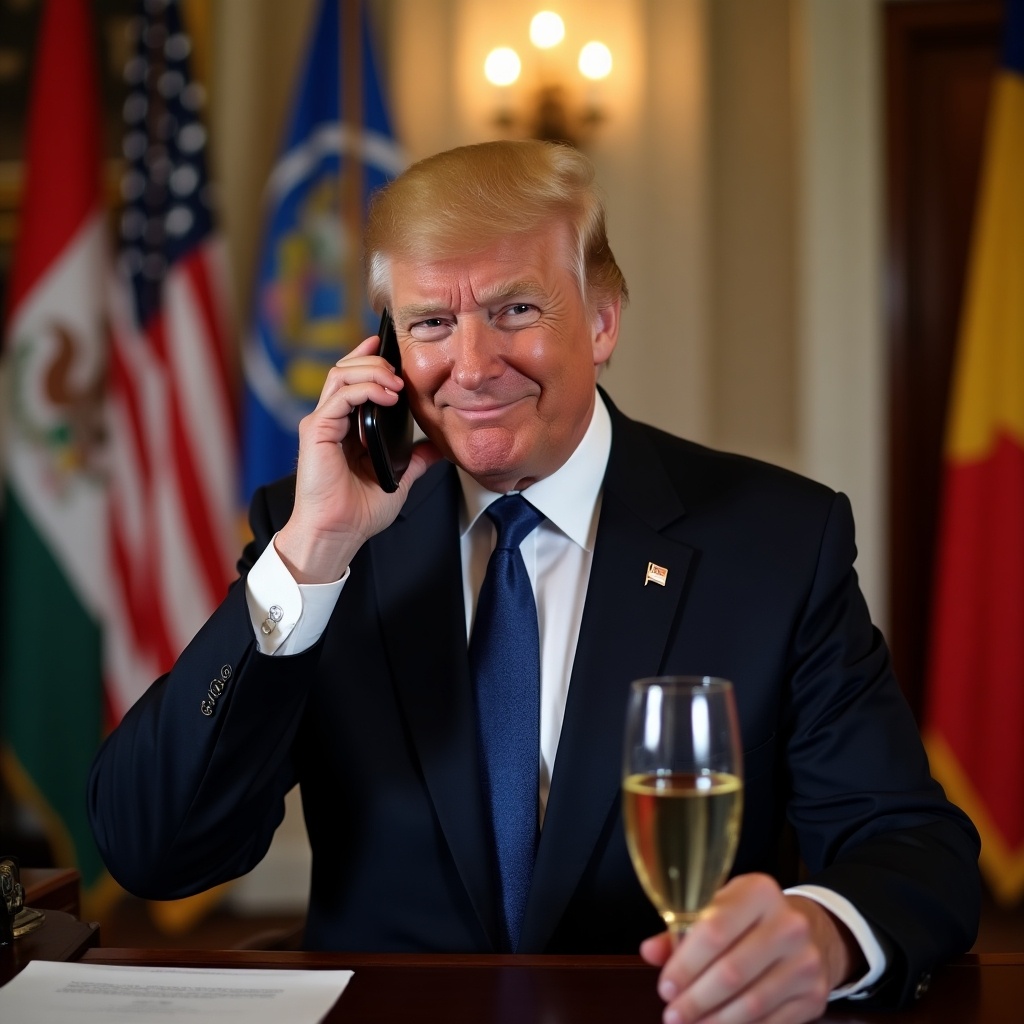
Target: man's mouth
[{"x": 484, "y": 411}]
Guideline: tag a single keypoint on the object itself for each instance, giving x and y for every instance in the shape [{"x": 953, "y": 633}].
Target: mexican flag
[{"x": 53, "y": 528}]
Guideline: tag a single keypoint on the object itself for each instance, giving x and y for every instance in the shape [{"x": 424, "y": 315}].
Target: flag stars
[
  {"x": 164, "y": 146},
  {"x": 192, "y": 138},
  {"x": 179, "y": 221},
  {"x": 184, "y": 179},
  {"x": 170, "y": 84},
  {"x": 178, "y": 47}
]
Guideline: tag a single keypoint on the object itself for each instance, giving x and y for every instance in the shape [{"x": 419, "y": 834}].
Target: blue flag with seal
[{"x": 310, "y": 306}]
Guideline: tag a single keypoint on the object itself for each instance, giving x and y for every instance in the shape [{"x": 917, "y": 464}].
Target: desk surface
[{"x": 979, "y": 989}]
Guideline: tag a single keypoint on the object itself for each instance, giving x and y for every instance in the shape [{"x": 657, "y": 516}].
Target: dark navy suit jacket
[{"x": 375, "y": 723}]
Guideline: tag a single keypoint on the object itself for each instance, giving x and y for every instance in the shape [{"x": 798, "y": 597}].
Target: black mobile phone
[{"x": 386, "y": 430}]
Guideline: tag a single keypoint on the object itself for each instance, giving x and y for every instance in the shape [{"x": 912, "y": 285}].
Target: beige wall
[{"x": 752, "y": 251}]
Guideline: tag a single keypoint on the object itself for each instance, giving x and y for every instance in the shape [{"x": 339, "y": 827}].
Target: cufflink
[
  {"x": 274, "y": 616},
  {"x": 216, "y": 688}
]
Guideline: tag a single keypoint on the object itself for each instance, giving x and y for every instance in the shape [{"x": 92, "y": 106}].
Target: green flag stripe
[{"x": 52, "y": 692}]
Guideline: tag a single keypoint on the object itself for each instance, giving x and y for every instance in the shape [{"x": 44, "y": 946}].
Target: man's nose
[{"x": 475, "y": 353}]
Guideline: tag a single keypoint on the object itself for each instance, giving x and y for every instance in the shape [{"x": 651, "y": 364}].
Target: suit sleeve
[
  {"x": 873, "y": 824},
  {"x": 187, "y": 791}
]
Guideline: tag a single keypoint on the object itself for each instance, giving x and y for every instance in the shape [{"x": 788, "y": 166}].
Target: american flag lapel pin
[{"x": 656, "y": 574}]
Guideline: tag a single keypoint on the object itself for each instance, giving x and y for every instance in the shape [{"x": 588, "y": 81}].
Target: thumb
[
  {"x": 657, "y": 949},
  {"x": 424, "y": 455}
]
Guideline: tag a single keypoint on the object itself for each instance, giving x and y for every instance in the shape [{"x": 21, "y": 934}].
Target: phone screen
[{"x": 386, "y": 430}]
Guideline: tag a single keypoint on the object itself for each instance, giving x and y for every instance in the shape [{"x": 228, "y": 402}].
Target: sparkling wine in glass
[{"x": 682, "y": 791}]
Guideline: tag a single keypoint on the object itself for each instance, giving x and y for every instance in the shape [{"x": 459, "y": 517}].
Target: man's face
[{"x": 500, "y": 355}]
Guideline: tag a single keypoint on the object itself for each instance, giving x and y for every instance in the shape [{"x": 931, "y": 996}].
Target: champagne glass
[{"x": 682, "y": 791}]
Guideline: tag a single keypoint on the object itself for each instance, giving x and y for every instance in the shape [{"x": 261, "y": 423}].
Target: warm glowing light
[
  {"x": 595, "y": 61},
  {"x": 502, "y": 66},
  {"x": 546, "y": 30}
]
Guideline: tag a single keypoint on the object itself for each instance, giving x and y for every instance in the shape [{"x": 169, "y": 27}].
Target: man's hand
[
  {"x": 338, "y": 502},
  {"x": 754, "y": 955}
]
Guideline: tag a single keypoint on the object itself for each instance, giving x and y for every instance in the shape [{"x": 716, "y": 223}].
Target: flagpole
[{"x": 352, "y": 176}]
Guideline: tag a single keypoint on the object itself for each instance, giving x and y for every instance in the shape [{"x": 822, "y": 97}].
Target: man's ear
[{"x": 606, "y": 331}]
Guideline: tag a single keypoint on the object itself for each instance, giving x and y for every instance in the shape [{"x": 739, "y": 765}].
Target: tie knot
[{"x": 514, "y": 518}]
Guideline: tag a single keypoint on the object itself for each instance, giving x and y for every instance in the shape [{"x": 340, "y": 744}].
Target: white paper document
[{"x": 55, "y": 993}]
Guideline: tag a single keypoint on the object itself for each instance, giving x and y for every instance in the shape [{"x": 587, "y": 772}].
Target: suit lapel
[
  {"x": 418, "y": 579},
  {"x": 623, "y": 635}
]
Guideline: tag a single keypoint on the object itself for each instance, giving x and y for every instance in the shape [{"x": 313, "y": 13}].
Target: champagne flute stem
[{"x": 678, "y": 927}]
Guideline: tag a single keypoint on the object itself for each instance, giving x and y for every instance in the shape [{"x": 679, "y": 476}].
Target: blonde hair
[{"x": 463, "y": 200}]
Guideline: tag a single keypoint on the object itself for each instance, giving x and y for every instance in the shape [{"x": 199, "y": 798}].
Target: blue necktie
[{"x": 504, "y": 659}]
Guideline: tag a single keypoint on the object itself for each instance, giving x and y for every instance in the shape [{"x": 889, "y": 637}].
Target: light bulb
[
  {"x": 595, "y": 61},
  {"x": 546, "y": 30},
  {"x": 502, "y": 66}
]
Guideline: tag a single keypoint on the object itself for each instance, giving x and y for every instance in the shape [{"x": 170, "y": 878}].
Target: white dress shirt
[{"x": 288, "y": 618}]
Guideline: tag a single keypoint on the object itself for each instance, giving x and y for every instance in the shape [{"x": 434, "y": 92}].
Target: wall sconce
[{"x": 556, "y": 115}]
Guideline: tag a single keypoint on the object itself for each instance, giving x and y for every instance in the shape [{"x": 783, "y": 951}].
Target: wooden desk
[
  {"x": 979, "y": 989},
  {"x": 61, "y": 936}
]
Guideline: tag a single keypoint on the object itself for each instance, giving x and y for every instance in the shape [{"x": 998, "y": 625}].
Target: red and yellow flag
[{"x": 974, "y": 723}]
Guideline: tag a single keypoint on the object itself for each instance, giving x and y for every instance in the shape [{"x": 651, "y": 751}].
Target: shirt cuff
[
  {"x": 287, "y": 617},
  {"x": 864, "y": 934}
]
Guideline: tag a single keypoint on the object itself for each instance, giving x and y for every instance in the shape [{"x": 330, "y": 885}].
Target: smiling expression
[{"x": 500, "y": 355}]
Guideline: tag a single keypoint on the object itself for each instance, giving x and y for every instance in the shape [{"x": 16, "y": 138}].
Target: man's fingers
[
  {"x": 754, "y": 978},
  {"x": 373, "y": 373},
  {"x": 736, "y": 908},
  {"x": 657, "y": 949},
  {"x": 749, "y": 957}
]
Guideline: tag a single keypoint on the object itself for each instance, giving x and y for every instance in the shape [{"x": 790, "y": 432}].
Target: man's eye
[
  {"x": 432, "y": 329},
  {"x": 519, "y": 314}
]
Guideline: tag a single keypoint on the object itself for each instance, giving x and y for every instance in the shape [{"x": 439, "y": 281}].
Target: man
[{"x": 340, "y": 660}]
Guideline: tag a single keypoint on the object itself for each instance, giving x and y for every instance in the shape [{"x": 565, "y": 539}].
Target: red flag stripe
[
  {"x": 977, "y": 655},
  {"x": 203, "y": 270},
  {"x": 64, "y": 80}
]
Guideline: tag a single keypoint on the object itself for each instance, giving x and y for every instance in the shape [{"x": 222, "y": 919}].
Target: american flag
[{"x": 172, "y": 413}]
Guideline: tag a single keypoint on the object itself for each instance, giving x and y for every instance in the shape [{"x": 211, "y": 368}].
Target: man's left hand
[{"x": 754, "y": 955}]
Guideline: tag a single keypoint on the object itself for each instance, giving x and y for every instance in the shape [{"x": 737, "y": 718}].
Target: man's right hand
[
  {"x": 756, "y": 955},
  {"x": 338, "y": 503}
]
